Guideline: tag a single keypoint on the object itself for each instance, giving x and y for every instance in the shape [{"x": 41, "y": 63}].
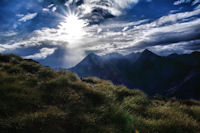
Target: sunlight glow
[
  {"x": 73, "y": 25},
  {"x": 72, "y": 28}
]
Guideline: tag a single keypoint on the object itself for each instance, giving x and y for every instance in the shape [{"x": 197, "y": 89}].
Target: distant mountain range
[{"x": 173, "y": 75}]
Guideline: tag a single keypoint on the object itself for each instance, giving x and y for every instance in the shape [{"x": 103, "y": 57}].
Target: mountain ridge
[{"x": 146, "y": 71}]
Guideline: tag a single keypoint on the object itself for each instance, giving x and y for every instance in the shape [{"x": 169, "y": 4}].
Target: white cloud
[
  {"x": 111, "y": 36},
  {"x": 51, "y": 5},
  {"x": 178, "y": 2},
  {"x": 178, "y": 16},
  {"x": 45, "y": 9},
  {"x": 1, "y": 49},
  {"x": 68, "y": 3},
  {"x": 115, "y": 7},
  {"x": 8, "y": 34},
  {"x": 54, "y": 9},
  {"x": 125, "y": 28},
  {"x": 49, "y": 8},
  {"x": 198, "y": 7},
  {"x": 44, "y": 52},
  {"x": 180, "y": 47},
  {"x": 19, "y": 15},
  {"x": 142, "y": 35},
  {"x": 105, "y": 38},
  {"x": 27, "y": 17},
  {"x": 194, "y": 2}
]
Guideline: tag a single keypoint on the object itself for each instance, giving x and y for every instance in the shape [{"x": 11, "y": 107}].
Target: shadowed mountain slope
[{"x": 147, "y": 71}]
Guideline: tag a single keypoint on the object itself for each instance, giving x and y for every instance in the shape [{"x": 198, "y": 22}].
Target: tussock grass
[{"x": 37, "y": 99}]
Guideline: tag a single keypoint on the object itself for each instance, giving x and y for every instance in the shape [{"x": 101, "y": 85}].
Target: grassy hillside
[{"x": 37, "y": 99}]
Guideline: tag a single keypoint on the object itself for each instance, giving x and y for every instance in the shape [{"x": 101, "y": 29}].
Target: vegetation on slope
[{"x": 37, "y": 99}]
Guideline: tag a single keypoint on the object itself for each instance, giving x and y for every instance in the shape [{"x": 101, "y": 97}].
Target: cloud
[
  {"x": 44, "y": 52},
  {"x": 114, "y": 36},
  {"x": 180, "y": 47},
  {"x": 8, "y": 34},
  {"x": 27, "y": 17},
  {"x": 194, "y": 2},
  {"x": 178, "y": 16},
  {"x": 178, "y": 2},
  {"x": 54, "y": 9},
  {"x": 97, "y": 10},
  {"x": 115, "y": 7},
  {"x": 51, "y": 37},
  {"x": 45, "y": 9},
  {"x": 19, "y": 15},
  {"x": 163, "y": 31},
  {"x": 50, "y": 8},
  {"x": 174, "y": 31},
  {"x": 197, "y": 7}
]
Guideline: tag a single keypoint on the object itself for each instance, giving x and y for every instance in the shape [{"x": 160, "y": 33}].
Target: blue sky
[{"x": 60, "y": 33}]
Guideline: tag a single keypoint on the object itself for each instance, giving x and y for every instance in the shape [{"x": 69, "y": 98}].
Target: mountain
[
  {"x": 38, "y": 99},
  {"x": 108, "y": 67},
  {"x": 149, "y": 72}
]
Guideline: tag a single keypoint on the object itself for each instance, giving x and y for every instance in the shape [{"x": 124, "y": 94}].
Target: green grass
[{"x": 37, "y": 99}]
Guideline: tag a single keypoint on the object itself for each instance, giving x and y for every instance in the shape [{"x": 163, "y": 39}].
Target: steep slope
[
  {"x": 189, "y": 87},
  {"x": 106, "y": 67},
  {"x": 37, "y": 99},
  {"x": 149, "y": 72}
]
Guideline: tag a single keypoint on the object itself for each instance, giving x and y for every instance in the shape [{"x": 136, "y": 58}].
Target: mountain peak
[
  {"x": 146, "y": 51},
  {"x": 147, "y": 54},
  {"x": 92, "y": 55},
  {"x": 91, "y": 58}
]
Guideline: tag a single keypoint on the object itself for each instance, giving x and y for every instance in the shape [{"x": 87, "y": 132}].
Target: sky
[{"x": 60, "y": 33}]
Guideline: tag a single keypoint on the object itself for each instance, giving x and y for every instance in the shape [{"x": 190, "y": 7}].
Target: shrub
[
  {"x": 4, "y": 58},
  {"x": 123, "y": 92},
  {"x": 91, "y": 80},
  {"x": 46, "y": 72},
  {"x": 29, "y": 66},
  {"x": 50, "y": 120},
  {"x": 38, "y": 99}
]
